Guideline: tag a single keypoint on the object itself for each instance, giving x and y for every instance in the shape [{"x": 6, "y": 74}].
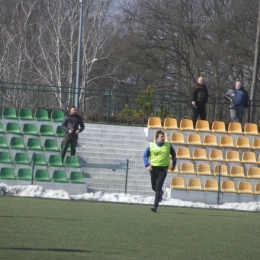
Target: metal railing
[{"x": 114, "y": 106}]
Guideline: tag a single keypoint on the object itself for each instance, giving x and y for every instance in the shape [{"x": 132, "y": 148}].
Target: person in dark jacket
[
  {"x": 71, "y": 125},
  {"x": 158, "y": 154},
  {"x": 238, "y": 101},
  {"x": 199, "y": 99}
]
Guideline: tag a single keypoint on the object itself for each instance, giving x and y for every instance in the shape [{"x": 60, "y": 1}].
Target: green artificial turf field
[{"x": 55, "y": 229}]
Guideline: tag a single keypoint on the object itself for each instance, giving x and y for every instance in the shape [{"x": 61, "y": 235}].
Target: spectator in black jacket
[
  {"x": 199, "y": 99},
  {"x": 71, "y": 125},
  {"x": 238, "y": 98}
]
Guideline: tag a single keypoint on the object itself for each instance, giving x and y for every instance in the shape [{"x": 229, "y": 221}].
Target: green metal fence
[{"x": 114, "y": 106}]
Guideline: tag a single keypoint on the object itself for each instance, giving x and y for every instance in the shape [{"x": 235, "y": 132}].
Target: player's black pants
[{"x": 158, "y": 175}]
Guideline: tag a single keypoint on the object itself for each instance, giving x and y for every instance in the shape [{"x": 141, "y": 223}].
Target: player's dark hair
[
  {"x": 159, "y": 132},
  {"x": 72, "y": 107}
]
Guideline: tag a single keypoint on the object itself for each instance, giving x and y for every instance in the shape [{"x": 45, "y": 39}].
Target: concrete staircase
[{"x": 104, "y": 150}]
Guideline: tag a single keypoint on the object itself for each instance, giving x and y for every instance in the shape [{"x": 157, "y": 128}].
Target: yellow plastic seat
[
  {"x": 204, "y": 169},
  {"x": 226, "y": 141},
  {"x": 177, "y": 138},
  {"x": 248, "y": 157},
  {"x": 202, "y": 125},
  {"x": 177, "y": 183},
  {"x": 186, "y": 124},
  {"x": 194, "y": 184},
  {"x": 244, "y": 187},
  {"x": 175, "y": 170},
  {"x": 165, "y": 137},
  {"x": 199, "y": 154},
  {"x": 216, "y": 155},
  {"x": 251, "y": 129},
  {"x": 211, "y": 185},
  {"x": 253, "y": 172},
  {"x": 194, "y": 139},
  {"x": 218, "y": 127},
  {"x": 154, "y": 122},
  {"x": 257, "y": 188},
  {"x": 220, "y": 169},
  {"x": 183, "y": 153},
  {"x": 242, "y": 142},
  {"x": 232, "y": 156},
  {"x": 237, "y": 171},
  {"x": 170, "y": 123},
  {"x": 187, "y": 168},
  {"x": 234, "y": 128},
  {"x": 228, "y": 186},
  {"x": 256, "y": 143},
  {"x": 210, "y": 140}
]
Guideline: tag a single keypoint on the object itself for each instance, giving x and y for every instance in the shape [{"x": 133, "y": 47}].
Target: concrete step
[
  {"x": 108, "y": 131},
  {"x": 114, "y": 136},
  {"x": 114, "y": 127},
  {"x": 114, "y": 144},
  {"x": 106, "y": 141},
  {"x": 108, "y": 150},
  {"x": 91, "y": 157}
]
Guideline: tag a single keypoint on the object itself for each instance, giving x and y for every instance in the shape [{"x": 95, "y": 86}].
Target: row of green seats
[
  {"x": 41, "y": 175},
  {"x": 26, "y": 114},
  {"x": 30, "y": 129},
  {"x": 32, "y": 144},
  {"x": 39, "y": 159}
]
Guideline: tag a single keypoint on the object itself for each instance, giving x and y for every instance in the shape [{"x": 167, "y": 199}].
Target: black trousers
[
  {"x": 158, "y": 175},
  {"x": 200, "y": 110},
  {"x": 69, "y": 139}
]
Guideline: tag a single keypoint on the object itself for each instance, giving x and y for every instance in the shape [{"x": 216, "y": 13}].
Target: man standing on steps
[
  {"x": 158, "y": 154},
  {"x": 71, "y": 125}
]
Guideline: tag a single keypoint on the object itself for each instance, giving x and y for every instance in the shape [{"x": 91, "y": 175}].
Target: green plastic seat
[
  {"x": 60, "y": 132},
  {"x": 55, "y": 160},
  {"x": 1, "y": 127},
  {"x": 12, "y": 128},
  {"x": 42, "y": 175},
  {"x": 69, "y": 147},
  {"x": 25, "y": 114},
  {"x": 34, "y": 144},
  {"x": 9, "y": 113},
  {"x": 76, "y": 177},
  {"x": 41, "y": 115},
  {"x": 29, "y": 129},
  {"x": 57, "y": 116},
  {"x": 24, "y": 174},
  {"x": 21, "y": 158},
  {"x": 17, "y": 143},
  {"x": 72, "y": 161},
  {"x": 7, "y": 173},
  {"x": 39, "y": 159},
  {"x": 46, "y": 130},
  {"x": 50, "y": 145},
  {"x": 59, "y": 176},
  {"x": 5, "y": 157},
  {"x": 3, "y": 142}
]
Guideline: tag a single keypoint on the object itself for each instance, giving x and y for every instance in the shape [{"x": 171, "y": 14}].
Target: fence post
[
  {"x": 249, "y": 112},
  {"x": 218, "y": 198},
  {"x": 32, "y": 168},
  {"x": 179, "y": 106},
  {"x": 144, "y": 106},
  {"x": 108, "y": 107},
  {"x": 214, "y": 107},
  {"x": 126, "y": 174},
  {"x": 2, "y": 88}
]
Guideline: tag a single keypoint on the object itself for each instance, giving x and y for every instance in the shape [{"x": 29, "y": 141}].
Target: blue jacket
[{"x": 239, "y": 96}]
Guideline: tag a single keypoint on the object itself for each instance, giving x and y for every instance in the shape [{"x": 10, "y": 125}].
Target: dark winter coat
[
  {"x": 72, "y": 122},
  {"x": 199, "y": 94}
]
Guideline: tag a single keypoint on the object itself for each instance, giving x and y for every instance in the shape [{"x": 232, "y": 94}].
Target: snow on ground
[{"x": 40, "y": 192}]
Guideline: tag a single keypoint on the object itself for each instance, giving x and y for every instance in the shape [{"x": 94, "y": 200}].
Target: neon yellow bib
[{"x": 159, "y": 156}]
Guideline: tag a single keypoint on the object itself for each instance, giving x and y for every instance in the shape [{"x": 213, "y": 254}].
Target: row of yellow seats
[
  {"x": 211, "y": 140},
  {"x": 202, "y": 125},
  {"x": 216, "y": 155},
  {"x": 205, "y": 169},
  {"x": 212, "y": 185}
]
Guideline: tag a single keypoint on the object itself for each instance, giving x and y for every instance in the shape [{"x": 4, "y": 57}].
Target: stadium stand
[
  {"x": 177, "y": 183},
  {"x": 177, "y": 138},
  {"x": 218, "y": 127},
  {"x": 226, "y": 141},
  {"x": 76, "y": 177},
  {"x": 46, "y": 130},
  {"x": 41, "y": 115},
  {"x": 9, "y": 113},
  {"x": 12, "y": 128},
  {"x": 243, "y": 142},
  {"x": 202, "y": 126},
  {"x": 57, "y": 115},
  {"x": 154, "y": 122},
  {"x": 251, "y": 129},
  {"x": 7, "y": 173},
  {"x": 244, "y": 187},
  {"x": 170, "y": 124},
  {"x": 3, "y": 142},
  {"x": 210, "y": 140},
  {"x": 59, "y": 176},
  {"x": 186, "y": 124},
  {"x": 25, "y": 114},
  {"x": 194, "y": 184},
  {"x": 29, "y": 129},
  {"x": 24, "y": 174},
  {"x": 211, "y": 185},
  {"x": 204, "y": 169},
  {"x": 187, "y": 168},
  {"x": 42, "y": 175},
  {"x": 234, "y": 128},
  {"x": 194, "y": 139}
]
